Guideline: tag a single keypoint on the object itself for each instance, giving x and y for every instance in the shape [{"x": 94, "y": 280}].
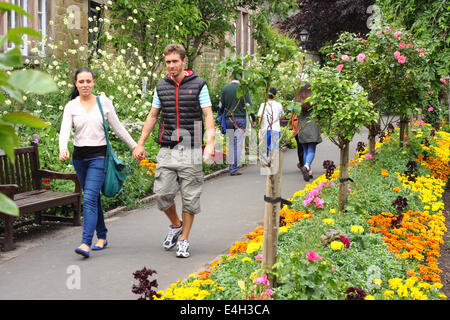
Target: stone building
[
  {"x": 54, "y": 19},
  {"x": 60, "y": 20}
]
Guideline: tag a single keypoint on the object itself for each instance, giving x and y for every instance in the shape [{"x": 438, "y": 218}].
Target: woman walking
[
  {"x": 309, "y": 135},
  {"x": 83, "y": 113}
]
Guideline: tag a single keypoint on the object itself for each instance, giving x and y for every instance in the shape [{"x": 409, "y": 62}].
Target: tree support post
[
  {"x": 272, "y": 216},
  {"x": 343, "y": 175}
]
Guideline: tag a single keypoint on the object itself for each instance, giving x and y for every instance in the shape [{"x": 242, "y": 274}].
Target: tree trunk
[
  {"x": 272, "y": 217},
  {"x": 371, "y": 138},
  {"x": 343, "y": 176}
]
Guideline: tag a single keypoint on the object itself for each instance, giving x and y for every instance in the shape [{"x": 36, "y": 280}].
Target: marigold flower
[{"x": 336, "y": 245}]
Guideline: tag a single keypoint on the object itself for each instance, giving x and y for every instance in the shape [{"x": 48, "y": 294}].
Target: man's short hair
[
  {"x": 272, "y": 92},
  {"x": 175, "y": 48}
]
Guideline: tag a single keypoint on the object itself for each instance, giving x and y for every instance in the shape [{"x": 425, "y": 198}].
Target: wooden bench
[{"x": 22, "y": 182}]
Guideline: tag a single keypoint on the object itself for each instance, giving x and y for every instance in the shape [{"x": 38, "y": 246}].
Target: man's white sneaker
[
  {"x": 172, "y": 237},
  {"x": 183, "y": 249}
]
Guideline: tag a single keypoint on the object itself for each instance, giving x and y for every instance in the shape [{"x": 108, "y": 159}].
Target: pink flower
[
  {"x": 421, "y": 54},
  {"x": 345, "y": 58},
  {"x": 262, "y": 280},
  {"x": 332, "y": 56},
  {"x": 390, "y": 29},
  {"x": 319, "y": 202},
  {"x": 363, "y": 40},
  {"x": 397, "y": 54},
  {"x": 311, "y": 256},
  {"x": 269, "y": 292},
  {"x": 259, "y": 256},
  {"x": 368, "y": 156},
  {"x": 397, "y": 34},
  {"x": 330, "y": 184},
  {"x": 340, "y": 67},
  {"x": 430, "y": 109},
  {"x": 406, "y": 142},
  {"x": 361, "y": 57},
  {"x": 349, "y": 190},
  {"x": 402, "y": 59},
  {"x": 443, "y": 80},
  {"x": 402, "y": 44},
  {"x": 379, "y": 32}
]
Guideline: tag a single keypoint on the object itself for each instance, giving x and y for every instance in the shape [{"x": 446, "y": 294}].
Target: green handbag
[{"x": 114, "y": 167}]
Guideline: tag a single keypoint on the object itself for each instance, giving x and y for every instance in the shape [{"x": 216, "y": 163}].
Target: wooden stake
[
  {"x": 343, "y": 175},
  {"x": 272, "y": 216}
]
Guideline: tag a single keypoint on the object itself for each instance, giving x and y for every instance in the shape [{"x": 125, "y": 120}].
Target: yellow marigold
[
  {"x": 328, "y": 222},
  {"x": 369, "y": 297},
  {"x": 336, "y": 245},
  {"x": 384, "y": 173},
  {"x": 388, "y": 294},
  {"x": 253, "y": 246},
  {"x": 356, "y": 229}
]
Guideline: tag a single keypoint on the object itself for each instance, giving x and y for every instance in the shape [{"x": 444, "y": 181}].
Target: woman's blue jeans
[
  {"x": 309, "y": 152},
  {"x": 91, "y": 173}
]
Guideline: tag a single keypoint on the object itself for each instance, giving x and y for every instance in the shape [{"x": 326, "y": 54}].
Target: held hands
[
  {"x": 64, "y": 155},
  {"x": 139, "y": 152}
]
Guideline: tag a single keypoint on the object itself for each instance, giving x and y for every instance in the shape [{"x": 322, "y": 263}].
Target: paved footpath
[{"x": 44, "y": 268}]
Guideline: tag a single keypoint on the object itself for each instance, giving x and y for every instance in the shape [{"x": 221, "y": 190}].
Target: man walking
[
  {"x": 233, "y": 109},
  {"x": 183, "y": 100}
]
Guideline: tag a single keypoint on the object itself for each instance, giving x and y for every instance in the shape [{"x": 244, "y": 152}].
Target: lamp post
[{"x": 304, "y": 35}]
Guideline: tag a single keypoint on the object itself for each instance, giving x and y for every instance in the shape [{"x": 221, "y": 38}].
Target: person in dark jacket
[
  {"x": 235, "y": 113},
  {"x": 183, "y": 101},
  {"x": 309, "y": 135}
]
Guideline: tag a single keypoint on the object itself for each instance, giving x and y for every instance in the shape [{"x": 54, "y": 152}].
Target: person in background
[
  {"x": 235, "y": 113},
  {"x": 309, "y": 135},
  {"x": 269, "y": 115},
  {"x": 88, "y": 157},
  {"x": 299, "y": 145}
]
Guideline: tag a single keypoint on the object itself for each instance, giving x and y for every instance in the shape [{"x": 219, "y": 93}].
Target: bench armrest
[
  {"x": 62, "y": 176},
  {"x": 9, "y": 189}
]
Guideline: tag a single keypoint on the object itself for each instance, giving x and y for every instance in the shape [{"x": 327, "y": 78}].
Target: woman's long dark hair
[
  {"x": 302, "y": 94},
  {"x": 75, "y": 92}
]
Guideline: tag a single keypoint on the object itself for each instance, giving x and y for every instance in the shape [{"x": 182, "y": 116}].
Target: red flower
[{"x": 345, "y": 241}]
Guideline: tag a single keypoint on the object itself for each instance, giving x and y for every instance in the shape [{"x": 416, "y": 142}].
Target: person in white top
[
  {"x": 269, "y": 115},
  {"x": 88, "y": 157}
]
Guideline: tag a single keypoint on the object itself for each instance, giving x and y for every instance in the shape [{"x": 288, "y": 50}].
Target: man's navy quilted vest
[{"x": 181, "y": 114}]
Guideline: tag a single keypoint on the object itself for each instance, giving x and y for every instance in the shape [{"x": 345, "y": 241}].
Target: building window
[
  {"x": 42, "y": 23},
  {"x": 243, "y": 40},
  {"x": 16, "y": 20}
]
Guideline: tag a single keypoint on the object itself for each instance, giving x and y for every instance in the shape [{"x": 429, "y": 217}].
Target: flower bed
[{"x": 384, "y": 245}]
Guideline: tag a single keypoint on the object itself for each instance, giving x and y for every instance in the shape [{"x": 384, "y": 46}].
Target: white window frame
[
  {"x": 24, "y": 6},
  {"x": 43, "y": 21}
]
